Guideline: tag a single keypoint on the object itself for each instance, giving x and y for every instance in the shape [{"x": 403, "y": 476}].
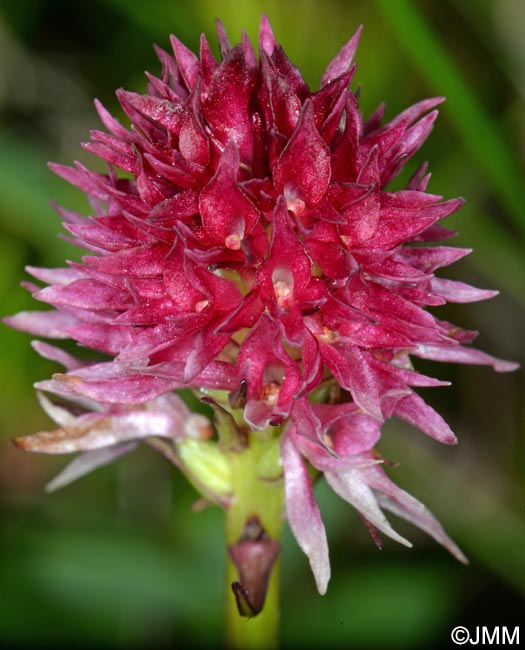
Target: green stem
[{"x": 258, "y": 492}]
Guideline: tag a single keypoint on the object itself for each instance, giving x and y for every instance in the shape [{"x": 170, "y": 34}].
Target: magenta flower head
[{"x": 253, "y": 253}]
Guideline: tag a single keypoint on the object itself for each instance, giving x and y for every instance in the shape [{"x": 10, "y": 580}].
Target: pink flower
[
  {"x": 339, "y": 441},
  {"x": 254, "y": 248},
  {"x": 104, "y": 432}
]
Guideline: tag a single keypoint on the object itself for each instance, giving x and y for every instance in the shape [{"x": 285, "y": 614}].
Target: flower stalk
[{"x": 253, "y": 530}]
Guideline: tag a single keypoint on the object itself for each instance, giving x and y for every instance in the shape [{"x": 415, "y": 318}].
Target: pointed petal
[
  {"x": 248, "y": 51},
  {"x": 414, "y": 410},
  {"x": 329, "y": 103},
  {"x": 111, "y": 124},
  {"x": 454, "y": 291},
  {"x": 193, "y": 141},
  {"x": 290, "y": 72},
  {"x": 281, "y": 105},
  {"x": 187, "y": 61},
  {"x": 430, "y": 259},
  {"x": 171, "y": 75},
  {"x": 94, "y": 431},
  {"x": 54, "y": 276},
  {"x": 414, "y": 112},
  {"x": 353, "y": 373},
  {"x": 303, "y": 514},
  {"x": 303, "y": 169},
  {"x": 112, "y": 150},
  {"x": 343, "y": 59},
  {"x": 224, "y": 43},
  {"x": 398, "y": 224},
  {"x": 50, "y": 324},
  {"x": 350, "y": 486},
  {"x": 56, "y": 354},
  {"x": 266, "y": 38},
  {"x": 287, "y": 263},
  {"x": 208, "y": 63},
  {"x": 87, "y": 462},
  {"x": 85, "y": 294},
  {"x": 60, "y": 415},
  {"x": 406, "y": 506},
  {"x": 109, "y": 338},
  {"x": 226, "y": 107},
  {"x": 346, "y": 148},
  {"x": 227, "y": 213},
  {"x": 152, "y": 115},
  {"x": 418, "y": 177},
  {"x": 460, "y": 354},
  {"x": 111, "y": 383},
  {"x": 184, "y": 204}
]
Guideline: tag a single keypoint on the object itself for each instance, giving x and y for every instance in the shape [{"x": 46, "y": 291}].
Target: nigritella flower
[{"x": 253, "y": 253}]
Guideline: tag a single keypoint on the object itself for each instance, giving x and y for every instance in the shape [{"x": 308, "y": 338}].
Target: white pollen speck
[
  {"x": 233, "y": 242},
  {"x": 202, "y": 304}
]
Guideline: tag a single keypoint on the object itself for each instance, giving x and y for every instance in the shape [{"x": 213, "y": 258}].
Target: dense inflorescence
[{"x": 253, "y": 247}]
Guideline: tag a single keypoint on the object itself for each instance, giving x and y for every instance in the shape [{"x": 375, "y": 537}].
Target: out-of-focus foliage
[{"x": 120, "y": 558}]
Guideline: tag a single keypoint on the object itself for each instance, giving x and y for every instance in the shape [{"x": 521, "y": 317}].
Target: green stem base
[{"x": 258, "y": 492}]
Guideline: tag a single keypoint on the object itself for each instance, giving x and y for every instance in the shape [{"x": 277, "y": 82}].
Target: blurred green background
[{"x": 119, "y": 559}]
